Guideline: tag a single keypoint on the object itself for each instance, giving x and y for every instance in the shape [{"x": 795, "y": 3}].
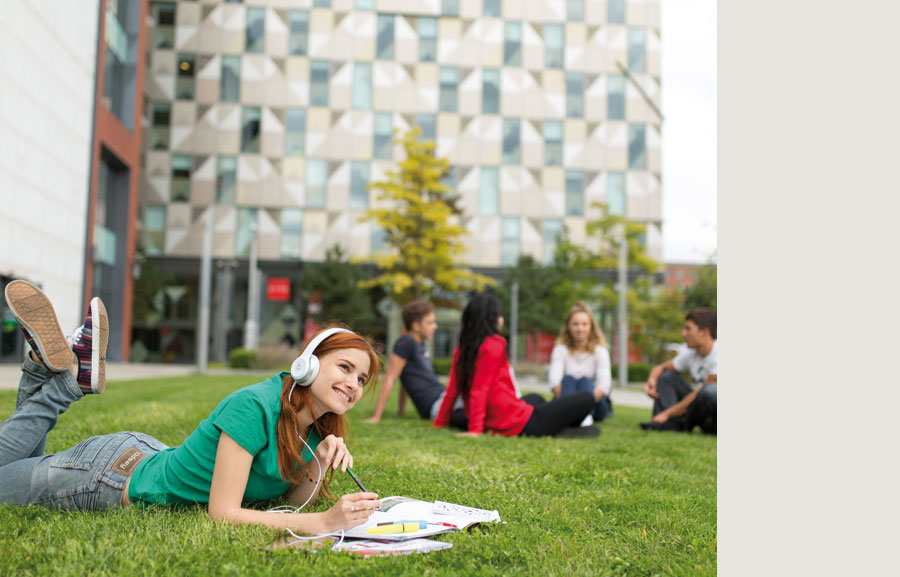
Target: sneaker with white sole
[
  {"x": 37, "y": 319},
  {"x": 588, "y": 421},
  {"x": 89, "y": 343}
]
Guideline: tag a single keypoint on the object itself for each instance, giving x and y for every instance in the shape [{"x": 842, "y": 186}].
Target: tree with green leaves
[
  {"x": 334, "y": 284},
  {"x": 420, "y": 219},
  {"x": 703, "y": 292}
]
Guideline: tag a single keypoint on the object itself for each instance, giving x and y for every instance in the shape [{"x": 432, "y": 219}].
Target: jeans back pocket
[{"x": 82, "y": 455}]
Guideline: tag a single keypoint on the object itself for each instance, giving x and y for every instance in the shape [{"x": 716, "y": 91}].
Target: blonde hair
[{"x": 595, "y": 337}]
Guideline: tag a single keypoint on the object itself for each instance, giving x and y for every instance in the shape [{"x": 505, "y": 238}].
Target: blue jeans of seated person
[
  {"x": 80, "y": 478},
  {"x": 570, "y": 385}
]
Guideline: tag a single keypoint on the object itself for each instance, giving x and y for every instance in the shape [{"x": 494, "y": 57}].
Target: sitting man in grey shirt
[
  {"x": 677, "y": 406},
  {"x": 409, "y": 361}
]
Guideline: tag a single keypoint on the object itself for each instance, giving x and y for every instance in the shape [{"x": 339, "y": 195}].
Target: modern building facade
[
  {"x": 70, "y": 119},
  {"x": 275, "y": 115}
]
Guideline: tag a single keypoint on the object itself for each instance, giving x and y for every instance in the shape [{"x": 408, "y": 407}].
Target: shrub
[
  {"x": 637, "y": 372},
  {"x": 241, "y": 358},
  {"x": 277, "y": 357},
  {"x": 442, "y": 366}
]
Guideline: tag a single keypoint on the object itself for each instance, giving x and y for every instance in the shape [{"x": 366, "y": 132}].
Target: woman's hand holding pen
[
  {"x": 351, "y": 510},
  {"x": 333, "y": 452}
]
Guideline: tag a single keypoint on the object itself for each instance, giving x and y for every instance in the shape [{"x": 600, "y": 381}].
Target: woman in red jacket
[{"x": 482, "y": 375}]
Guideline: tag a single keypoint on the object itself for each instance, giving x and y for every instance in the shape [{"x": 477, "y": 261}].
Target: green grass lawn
[{"x": 627, "y": 503}]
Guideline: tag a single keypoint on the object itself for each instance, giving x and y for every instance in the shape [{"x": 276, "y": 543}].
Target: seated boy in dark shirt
[{"x": 409, "y": 361}]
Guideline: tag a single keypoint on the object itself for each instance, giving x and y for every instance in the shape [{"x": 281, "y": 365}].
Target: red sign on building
[{"x": 278, "y": 289}]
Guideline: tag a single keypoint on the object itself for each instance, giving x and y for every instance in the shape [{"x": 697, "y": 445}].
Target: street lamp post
[
  {"x": 623, "y": 311},
  {"x": 251, "y": 329}
]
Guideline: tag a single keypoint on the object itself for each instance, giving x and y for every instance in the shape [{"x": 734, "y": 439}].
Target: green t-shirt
[{"x": 183, "y": 475}]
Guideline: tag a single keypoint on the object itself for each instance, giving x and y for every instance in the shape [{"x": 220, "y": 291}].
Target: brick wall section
[{"x": 111, "y": 134}]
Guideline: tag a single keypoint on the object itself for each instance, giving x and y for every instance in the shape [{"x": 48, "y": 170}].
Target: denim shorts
[{"x": 87, "y": 477}]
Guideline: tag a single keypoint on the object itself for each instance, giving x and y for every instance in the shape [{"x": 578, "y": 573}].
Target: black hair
[
  {"x": 704, "y": 318},
  {"x": 479, "y": 321}
]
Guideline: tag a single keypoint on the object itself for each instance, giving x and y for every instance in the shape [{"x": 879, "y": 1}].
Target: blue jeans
[
  {"x": 570, "y": 385},
  {"x": 85, "y": 477}
]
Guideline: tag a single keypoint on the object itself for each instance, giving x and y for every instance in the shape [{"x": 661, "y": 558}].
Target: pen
[{"x": 358, "y": 482}]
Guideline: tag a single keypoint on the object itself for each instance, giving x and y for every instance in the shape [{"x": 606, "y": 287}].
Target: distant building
[{"x": 681, "y": 275}]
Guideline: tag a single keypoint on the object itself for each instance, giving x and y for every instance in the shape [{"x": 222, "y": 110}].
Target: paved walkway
[{"x": 10, "y": 373}]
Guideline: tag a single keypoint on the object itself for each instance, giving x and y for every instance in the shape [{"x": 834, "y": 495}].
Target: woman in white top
[{"x": 580, "y": 360}]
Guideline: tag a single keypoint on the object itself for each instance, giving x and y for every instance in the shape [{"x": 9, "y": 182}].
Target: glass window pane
[
  {"x": 362, "y": 85},
  {"x": 637, "y": 146},
  {"x": 492, "y": 8},
  {"x": 154, "y": 230},
  {"x": 161, "y": 113},
  {"x": 359, "y": 179},
  {"x": 365, "y": 4},
  {"x": 256, "y": 30},
  {"x": 379, "y": 241},
  {"x": 184, "y": 82},
  {"x": 165, "y": 26},
  {"x": 449, "y": 76},
  {"x": 299, "y": 32},
  {"x": 511, "y": 140},
  {"x": 291, "y": 232},
  {"x": 490, "y": 91},
  {"x": 552, "y": 229},
  {"x": 615, "y": 97},
  {"x": 428, "y": 32},
  {"x": 244, "y": 236},
  {"x": 574, "y": 193},
  {"x": 316, "y": 182},
  {"x": 509, "y": 240},
  {"x": 450, "y": 7},
  {"x": 554, "y": 42},
  {"x": 385, "y": 46},
  {"x": 489, "y": 199},
  {"x": 637, "y": 50},
  {"x": 318, "y": 83},
  {"x": 230, "y": 81},
  {"x": 575, "y": 10},
  {"x": 574, "y": 94},
  {"x": 512, "y": 45},
  {"x": 553, "y": 148},
  {"x": 428, "y": 125},
  {"x": 322, "y": 3},
  {"x": 615, "y": 192},
  {"x": 250, "y": 128},
  {"x": 295, "y": 132},
  {"x": 226, "y": 179},
  {"x": 615, "y": 12},
  {"x": 181, "y": 178},
  {"x": 383, "y": 148}
]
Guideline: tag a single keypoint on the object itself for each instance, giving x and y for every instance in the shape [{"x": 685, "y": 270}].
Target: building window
[
  {"x": 554, "y": 45},
  {"x": 184, "y": 82},
  {"x": 512, "y": 44},
  {"x": 246, "y": 223},
  {"x": 379, "y": 241},
  {"x": 120, "y": 75},
  {"x": 383, "y": 147},
  {"x": 552, "y": 230},
  {"x": 574, "y": 193},
  {"x": 299, "y": 32},
  {"x": 637, "y": 50},
  {"x": 449, "y": 180},
  {"x": 295, "y": 132},
  {"x": 615, "y": 12},
  {"x": 615, "y": 97},
  {"x": 428, "y": 125},
  {"x": 250, "y": 128},
  {"x": 226, "y": 179},
  {"x": 316, "y": 182},
  {"x": 428, "y": 32},
  {"x": 450, "y": 7},
  {"x": 154, "y": 230},
  {"x": 160, "y": 119},
  {"x": 359, "y": 179},
  {"x": 575, "y": 10},
  {"x": 615, "y": 192},
  {"x": 230, "y": 81},
  {"x": 291, "y": 232},
  {"x": 489, "y": 199},
  {"x": 385, "y": 46},
  {"x": 490, "y": 91},
  {"x": 318, "y": 83},
  {"x": 492, "y": 8},
  {"x": 165, "y": 25},
  {"x": 181, "y": 178},
  {"x": 637, "y": 146},
  {"x": 255, "y": 35},
  {"x": 365, "y": 4},
  {"x": 553, "y": 147},
  {"x": 574, "y": 94},
  {"x": 322, "y": 3},
  {"x": 509, "y": 240},
  {"x": 449, "y": 76},
  {"x": 362, "y": 85},
  {"x": 511, "y": 141}
]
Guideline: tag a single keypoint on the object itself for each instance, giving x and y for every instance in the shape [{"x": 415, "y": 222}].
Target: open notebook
[{"x": 440, "y": 516}]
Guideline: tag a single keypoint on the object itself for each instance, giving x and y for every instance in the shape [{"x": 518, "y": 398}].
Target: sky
[{"x": 689, "y": 130}]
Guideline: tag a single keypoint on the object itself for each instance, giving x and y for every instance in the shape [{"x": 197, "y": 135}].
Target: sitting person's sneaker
[
  {"x": 89, "y": 343},
  {"x": 37, "y": 319},
  {"x": 588, "y": 421},
  {"x": 580, "y": 432}
]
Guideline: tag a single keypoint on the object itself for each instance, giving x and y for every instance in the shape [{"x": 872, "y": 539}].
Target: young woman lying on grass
[
  {"x": 256, "y": 445},
  {"x": 482, "y": 375}
]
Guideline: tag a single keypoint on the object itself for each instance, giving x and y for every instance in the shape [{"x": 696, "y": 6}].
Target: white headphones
[{"x": 305, "y": 368}]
